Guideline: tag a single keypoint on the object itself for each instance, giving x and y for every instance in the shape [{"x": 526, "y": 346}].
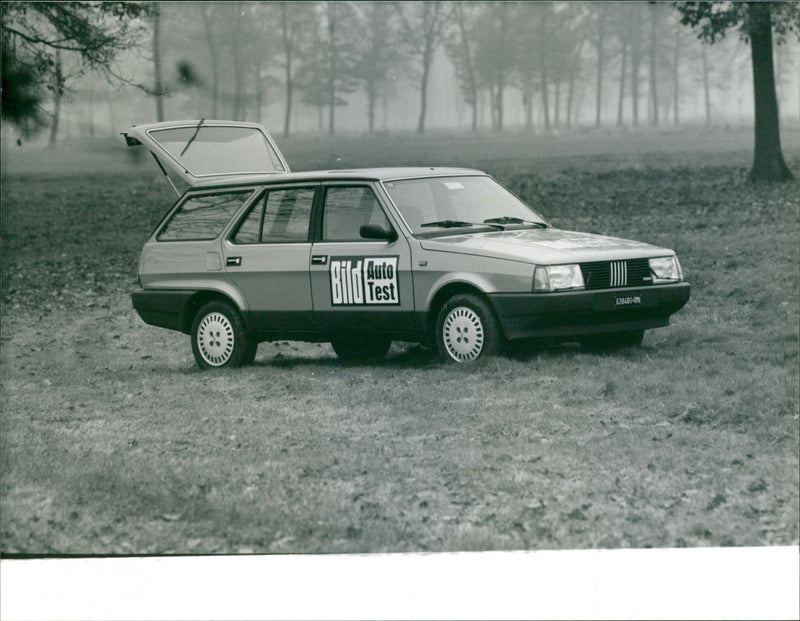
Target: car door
[
  {"x": 359, "y": 284},
  {"x": 267, "y": 254}
]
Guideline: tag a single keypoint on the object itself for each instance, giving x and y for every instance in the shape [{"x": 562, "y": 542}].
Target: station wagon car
[{"x": 252, "y": 252}]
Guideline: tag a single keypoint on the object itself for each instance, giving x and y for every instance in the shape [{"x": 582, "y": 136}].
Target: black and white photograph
[{"x": 418, "y": 290}]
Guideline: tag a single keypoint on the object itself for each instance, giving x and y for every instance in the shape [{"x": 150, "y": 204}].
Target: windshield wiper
[
  {"x": 513, "y": 220},
  {"x": 449, "y": 224},
  {"x": 191, "y": 140}
]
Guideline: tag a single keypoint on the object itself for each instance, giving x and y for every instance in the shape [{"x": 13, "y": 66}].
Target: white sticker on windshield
[{"x": 453, "y": 185}]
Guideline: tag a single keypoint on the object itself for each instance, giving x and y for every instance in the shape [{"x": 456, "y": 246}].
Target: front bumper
[{"x": 577, "y": 313}]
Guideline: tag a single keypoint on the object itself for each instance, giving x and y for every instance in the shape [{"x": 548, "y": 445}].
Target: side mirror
[{"x": 375, "y": 231}]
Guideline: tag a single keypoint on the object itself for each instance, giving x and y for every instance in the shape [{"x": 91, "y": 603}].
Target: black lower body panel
[
  {"x": 578, "y": 313},
  {"x": 162, "y": 307},
  {"x": 324, "y": 326}
]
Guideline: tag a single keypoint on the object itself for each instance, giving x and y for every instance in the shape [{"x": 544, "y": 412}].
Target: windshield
[
  {"x": 439, "y": 204},
  {"x": 218, "y": 150}
]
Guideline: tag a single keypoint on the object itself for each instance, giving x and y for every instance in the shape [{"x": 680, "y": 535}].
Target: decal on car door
[{"x": 363, "y": 281}]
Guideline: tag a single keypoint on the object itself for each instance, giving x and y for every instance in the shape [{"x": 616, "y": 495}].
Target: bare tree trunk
[
  {"x": 288, "y": 45},
  {"x": 493, "y": 106},
  {"x": 372, "y": 97},
  {"x": 622, "y": 82},
  {"x": 212, "y": 50},
  {"x": 579, "y": 102},
  {"x": 557, "y": 104},
  {"x": 90, "y": 112},
  {"x": 467, "y": 52},
  {"x": 427, "y": 59},
  {"x": 500, "y": 103},
  {"x": 238, "y": 70},
  {"x": 676, "y": 74},
  {"x": 653, "y": 77},
  {"x": 259, "y": 82},
  {"x": 111, "y": 118},
  {"x": 768, "y": 162},
  {"x": 636, "y": 59},
  {"x": 600, "y": 59},
  {"x": 527, "y": 104},
  {"x": 706, "y": 87},
  {"x": 57, "y": 97},
  {"x": 570, "y": 98},
  {"x": 573, "y": 66},
  {"x": 157, "y": 63},
  {"x": 543, "y": 60}
]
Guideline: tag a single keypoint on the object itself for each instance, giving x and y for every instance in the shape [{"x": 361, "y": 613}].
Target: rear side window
[
  {"x": 280, "y": 216},
  {"x": 202, "y": 217}
]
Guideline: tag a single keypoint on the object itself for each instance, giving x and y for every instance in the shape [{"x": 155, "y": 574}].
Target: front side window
[
  {"x": 279, "y": 216},
  {"x": 347, "y": 209},
  {"x": 202, "y": 217}
]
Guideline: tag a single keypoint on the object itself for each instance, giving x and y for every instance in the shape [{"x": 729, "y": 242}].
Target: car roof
[{"x": 353, "y": 174}]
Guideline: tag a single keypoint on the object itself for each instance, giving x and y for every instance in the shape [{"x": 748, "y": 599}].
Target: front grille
[{"x": 613, "y": 274}]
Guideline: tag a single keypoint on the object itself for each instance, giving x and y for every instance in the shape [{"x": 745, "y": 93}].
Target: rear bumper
[
  {"x": 162, "y": 307},
  {"x": 576, "y": 313}
]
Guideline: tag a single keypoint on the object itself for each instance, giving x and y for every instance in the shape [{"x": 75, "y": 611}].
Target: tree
[
  {"x": 207, "y": 12},
  {"x": 655, "y": 18},
  {"x": 297, "y": 20},
  {"x": 535, "y": 42},
  {"x": 576, "y": 20},
  {"x": 495, "y": 53},
  {"x": 379, "y": 55},
  {"x": 36, "y": 38},
  {"x": 158, "y": 81},
  {"x": 461, "y": 50},
  {"x": 330, "y": 71},
  {"x": 423, "y": 27},
  {"x": 755, "y": 22},
  {"x": 599, "y": 12}
]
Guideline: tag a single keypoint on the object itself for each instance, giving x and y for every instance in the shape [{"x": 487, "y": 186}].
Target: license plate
[{"x": 631, "y": 300}]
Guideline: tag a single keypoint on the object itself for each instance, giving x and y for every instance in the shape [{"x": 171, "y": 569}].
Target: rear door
[
  {"x": 358, "y": 284},
  {"x": 267, "y": 255},
  {"x": 192, "y": 151}
]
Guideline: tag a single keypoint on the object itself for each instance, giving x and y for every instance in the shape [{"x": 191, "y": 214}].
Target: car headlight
[
  {"x": 557, "y": 277},
  {"x": 665, "y": 269}
]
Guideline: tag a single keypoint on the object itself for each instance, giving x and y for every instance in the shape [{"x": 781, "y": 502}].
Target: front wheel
[
  {"x": 219, "y": 338},
  {"x": 466, "y": 329}
]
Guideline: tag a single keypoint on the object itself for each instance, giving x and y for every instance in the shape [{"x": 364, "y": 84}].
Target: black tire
[
  {"x": 361, "y": 349},
  {"x": 466, "y": 329},
  {"x": 219, "y": 338},
  {"x": 612, "y": 340}
]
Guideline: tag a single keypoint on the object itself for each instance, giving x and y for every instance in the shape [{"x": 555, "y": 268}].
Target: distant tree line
[{"x": 559, "y": 57}]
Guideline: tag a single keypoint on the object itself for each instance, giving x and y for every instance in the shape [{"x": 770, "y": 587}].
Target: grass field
[{"x": 114, "y": 443}]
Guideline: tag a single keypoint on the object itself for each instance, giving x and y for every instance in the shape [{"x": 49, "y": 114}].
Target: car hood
[{"x": 544, "y": 246}]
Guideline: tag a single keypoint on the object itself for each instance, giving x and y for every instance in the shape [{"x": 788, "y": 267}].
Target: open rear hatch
[{"x": 189, "y": 152}]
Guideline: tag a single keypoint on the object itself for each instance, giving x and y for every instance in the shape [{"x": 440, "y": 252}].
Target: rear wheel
[
  {"x": 361, "y": 349},
  {"x": 466, "y": 329},
  {"x": 219, "y": 338}
]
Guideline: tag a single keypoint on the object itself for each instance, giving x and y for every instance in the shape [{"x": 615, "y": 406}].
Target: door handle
[
  {"x": 233, "y": 261},
  {"x": 319, "y": 259}
]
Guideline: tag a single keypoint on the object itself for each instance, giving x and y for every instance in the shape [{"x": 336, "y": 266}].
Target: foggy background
[{"x": 541, "y": 67}]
